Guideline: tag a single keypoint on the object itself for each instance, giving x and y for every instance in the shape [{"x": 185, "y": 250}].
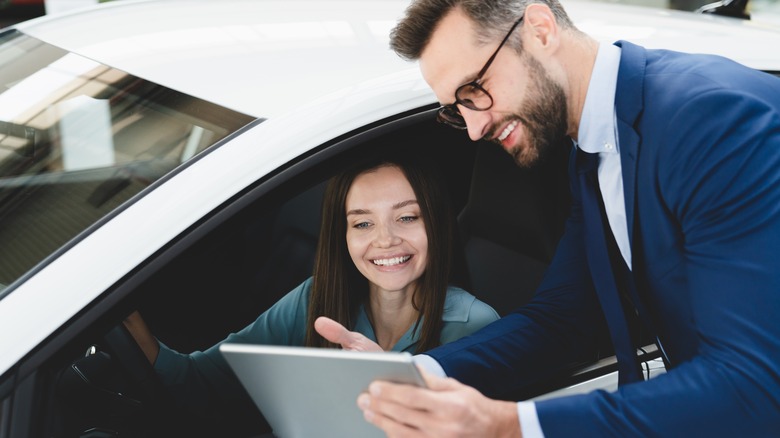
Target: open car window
[
  {"x": 78, "y": 139},
  {"x": 223, "y": 272}
]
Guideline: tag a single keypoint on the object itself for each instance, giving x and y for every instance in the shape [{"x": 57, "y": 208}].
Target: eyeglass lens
[
  {"x": 450, "y": 115},
  {"x": 474, "y": 97}
]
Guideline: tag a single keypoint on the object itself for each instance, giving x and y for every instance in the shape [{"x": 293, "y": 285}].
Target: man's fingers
[
  {"x": 406, "y": 410},
  {"x": 402, "y": 394},
  {"x": 446, "y": 408},
  {"x": 395, "y": 420},
  {"x": 437, "y": 383},
  {"x": 392, "y": 428}
]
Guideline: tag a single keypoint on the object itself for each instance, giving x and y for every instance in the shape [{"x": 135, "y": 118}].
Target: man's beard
[{"x": 543, "y": 115}]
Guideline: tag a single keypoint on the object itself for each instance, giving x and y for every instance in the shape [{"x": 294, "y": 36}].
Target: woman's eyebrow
[
  {"x": 396, "y": 206},
  {"x": 403, "y": 204},
  {"x": 358, "y": 211}
]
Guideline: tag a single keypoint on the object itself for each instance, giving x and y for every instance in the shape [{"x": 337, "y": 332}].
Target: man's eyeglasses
[{"x": 471, "y": 95}]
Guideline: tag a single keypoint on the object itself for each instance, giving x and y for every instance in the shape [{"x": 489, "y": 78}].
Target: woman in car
[{"x": 382, "y": 267}]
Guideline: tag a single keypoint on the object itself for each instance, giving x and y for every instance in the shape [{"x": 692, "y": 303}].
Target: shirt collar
[{"x": 597, "y": 124}]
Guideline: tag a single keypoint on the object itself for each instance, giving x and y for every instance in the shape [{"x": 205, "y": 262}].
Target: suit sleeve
[{"x": 725, "y": 194}]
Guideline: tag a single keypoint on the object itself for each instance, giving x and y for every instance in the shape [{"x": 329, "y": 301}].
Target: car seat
[{"x": 511, "y": 224}]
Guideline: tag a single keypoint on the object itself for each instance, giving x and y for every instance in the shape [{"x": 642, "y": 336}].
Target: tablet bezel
[{"x": 305, "y": 391}]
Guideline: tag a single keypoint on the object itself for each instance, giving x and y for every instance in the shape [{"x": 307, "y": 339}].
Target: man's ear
[{"x": 540, "y": 27}]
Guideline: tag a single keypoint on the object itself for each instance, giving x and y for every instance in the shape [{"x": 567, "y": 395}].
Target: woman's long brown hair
[{"x": 339, "y": 288}]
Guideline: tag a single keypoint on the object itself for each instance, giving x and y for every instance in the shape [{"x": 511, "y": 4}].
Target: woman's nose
[{"x": 386, "y": 236}]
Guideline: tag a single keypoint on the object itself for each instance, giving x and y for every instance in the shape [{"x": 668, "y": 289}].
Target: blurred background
[{"x": 14, "y": 11}]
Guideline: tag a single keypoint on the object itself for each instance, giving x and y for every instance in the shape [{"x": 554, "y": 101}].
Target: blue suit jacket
[{"x": 700, "y": 152}]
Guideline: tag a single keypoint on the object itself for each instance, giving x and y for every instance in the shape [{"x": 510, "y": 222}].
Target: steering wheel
[
  {"x": 128, "y": 355},
  {"x": 132, "y": 359},
  {"x": 165, "y": 420}
]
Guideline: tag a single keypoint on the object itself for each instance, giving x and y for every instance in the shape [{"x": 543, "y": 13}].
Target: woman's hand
[
  {"x": 338, "y": 334},
  {"x": 142, "y": 335}
]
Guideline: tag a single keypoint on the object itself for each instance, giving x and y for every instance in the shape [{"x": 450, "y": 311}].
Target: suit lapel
[
  {"x": 629, "y": 143},
  {"x": 601, "y": 269},
  {"x": 629, "y": 104},
  {"x": 628, "y": 107}
]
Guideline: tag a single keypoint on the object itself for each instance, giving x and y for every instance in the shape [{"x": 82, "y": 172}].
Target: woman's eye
[
  {"x": 361, "y": 225},
  {"x": 409, "y": 218}
]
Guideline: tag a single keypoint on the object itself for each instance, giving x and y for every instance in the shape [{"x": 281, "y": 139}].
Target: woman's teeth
[{"x": 392, "y": 261}]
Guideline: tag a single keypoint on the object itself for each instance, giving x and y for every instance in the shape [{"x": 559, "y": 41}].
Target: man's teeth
[
  {"x": 508, "y": 130},
  {"x": 391, "y": 262}
]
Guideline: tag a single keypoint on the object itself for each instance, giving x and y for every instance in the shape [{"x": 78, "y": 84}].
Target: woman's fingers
[{"x": 338, "y": 334}]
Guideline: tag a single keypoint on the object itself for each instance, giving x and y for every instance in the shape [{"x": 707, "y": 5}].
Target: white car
[{"x": 169, "y": 156}]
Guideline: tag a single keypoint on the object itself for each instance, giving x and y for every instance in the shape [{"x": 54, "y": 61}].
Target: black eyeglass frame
[{"x": 450, "y": 114}]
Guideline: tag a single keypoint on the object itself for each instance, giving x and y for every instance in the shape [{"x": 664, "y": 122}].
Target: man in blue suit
[{"x": 675, "y": 177}]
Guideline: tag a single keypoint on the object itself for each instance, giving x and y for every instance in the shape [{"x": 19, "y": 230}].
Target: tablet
[{"x": 312, "y": 392}]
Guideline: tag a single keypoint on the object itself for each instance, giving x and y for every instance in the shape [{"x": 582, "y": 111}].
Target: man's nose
[{"x": 477, "y": 122}]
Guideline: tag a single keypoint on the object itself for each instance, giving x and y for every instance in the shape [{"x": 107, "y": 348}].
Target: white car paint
[
  {"x": 214, "y": 51},
  {"x": 247, "y": 55}
]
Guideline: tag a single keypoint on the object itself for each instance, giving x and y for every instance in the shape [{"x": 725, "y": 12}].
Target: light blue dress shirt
[{"x": 598, "y": 135}]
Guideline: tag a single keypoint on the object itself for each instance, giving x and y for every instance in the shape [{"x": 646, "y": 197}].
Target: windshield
[{"x": 78, "y": 139}]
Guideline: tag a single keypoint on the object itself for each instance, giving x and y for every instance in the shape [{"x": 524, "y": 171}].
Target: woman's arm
[{"x": 137, "y": 327}]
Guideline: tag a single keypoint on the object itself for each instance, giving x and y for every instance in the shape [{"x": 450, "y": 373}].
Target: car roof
[
  {"x": 250, "y": 56},
  {"x": 247, "y": 55}
]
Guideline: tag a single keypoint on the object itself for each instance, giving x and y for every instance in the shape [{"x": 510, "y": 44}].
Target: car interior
[{"x": 231, "y": 266}]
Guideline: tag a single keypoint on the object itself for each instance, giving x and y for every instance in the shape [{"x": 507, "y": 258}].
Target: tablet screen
[{"x": 305, "y": 392}]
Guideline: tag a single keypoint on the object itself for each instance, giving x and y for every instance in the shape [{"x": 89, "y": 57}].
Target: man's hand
[
  {"x": 338, "y": 334},
  {"x": 447, "y": 408}
]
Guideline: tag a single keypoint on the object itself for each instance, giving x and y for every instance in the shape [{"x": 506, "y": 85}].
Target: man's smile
[{"x": 508, "y": 130}]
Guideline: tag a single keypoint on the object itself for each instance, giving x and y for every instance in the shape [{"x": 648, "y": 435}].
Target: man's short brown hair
[{"x": 492, "y": 18}]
